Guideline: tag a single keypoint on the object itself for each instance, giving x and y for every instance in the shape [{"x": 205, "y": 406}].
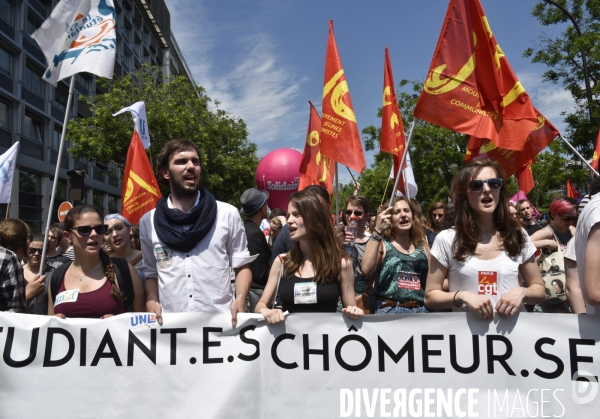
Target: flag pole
[
  {"x": 7, "y": 207},
  {"x": 337, "y": 196},
  {"x": 578, "y": 155},
  {"x": 57, "y": 171},
  {"x": 351, "y": 175},
  {"x": 410, "y": 134},
  {"x": 385, "y": 191}
]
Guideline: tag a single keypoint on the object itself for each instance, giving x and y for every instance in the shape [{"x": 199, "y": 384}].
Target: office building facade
[{"x": 32, "y": 111}]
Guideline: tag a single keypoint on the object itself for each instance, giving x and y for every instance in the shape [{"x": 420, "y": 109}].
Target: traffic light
[{"x": 76, "y": 184}]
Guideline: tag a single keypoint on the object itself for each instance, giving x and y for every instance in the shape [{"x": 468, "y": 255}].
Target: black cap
[{"x": 252, "y": 200}]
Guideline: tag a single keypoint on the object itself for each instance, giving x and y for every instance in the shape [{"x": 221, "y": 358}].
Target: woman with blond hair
[
  {"x": 397, "y": 254},
  {"x": 316, "y": 272}
]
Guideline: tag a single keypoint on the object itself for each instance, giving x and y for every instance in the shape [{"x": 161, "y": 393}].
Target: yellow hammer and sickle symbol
[
  {"x": 325, "y": 168},
  {"x": 595, "y": 156},
  {"x": 499, "y": 53},
  {"x": 139, "y": 181},
  {"x": 436, "y": 86},
  {"x": 313, "y": 138},
  {"x": 339, "y": 91},
  {"x": 387, "y": 93},
  {"x": 541, "y": 123},
  {"x": 394, "y": 121}
]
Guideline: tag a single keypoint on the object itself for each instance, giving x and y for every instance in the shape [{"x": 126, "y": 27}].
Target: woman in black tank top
[{"x": 316, "y": 272}]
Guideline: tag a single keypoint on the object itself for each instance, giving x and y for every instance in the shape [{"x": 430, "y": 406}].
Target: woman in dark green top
[{"x": 402, "y": 269}]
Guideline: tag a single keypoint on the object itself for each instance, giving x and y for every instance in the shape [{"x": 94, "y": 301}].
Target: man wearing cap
[
  {"x": 254, "y": 208},
  {"x": 191, "y": 241}
]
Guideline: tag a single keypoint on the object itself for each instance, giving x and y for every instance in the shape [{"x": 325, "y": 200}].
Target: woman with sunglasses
[
  {"x": 397, "y": 254},
  {"x": 563, "y": 215},
  {"x": 436, "y": 217},
  {"x": 483, "y": 255},
  {"x": 89, "y": 286},
  {"x": 35, "y": 290},
  {"x": 316, "y": 272}
]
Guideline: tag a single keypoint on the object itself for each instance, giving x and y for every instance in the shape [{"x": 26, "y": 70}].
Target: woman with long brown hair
[
  {"x": 316, "y": 271},
  {"x": 89, "y": 286},
  {"x": 397, "y": 253},
  {"x": 436, "y": 217},
  {"x": 484, "y": 253}
]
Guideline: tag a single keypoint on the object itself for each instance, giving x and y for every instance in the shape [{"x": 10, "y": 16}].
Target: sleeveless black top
[
  {"x": 303, "y": 295},
  {"x": 563, "y": 238}
]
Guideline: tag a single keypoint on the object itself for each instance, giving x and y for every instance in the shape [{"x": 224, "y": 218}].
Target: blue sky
[{"x": 264, "y": 59}]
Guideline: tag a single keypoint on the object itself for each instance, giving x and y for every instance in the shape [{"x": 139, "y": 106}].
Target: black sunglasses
[
  {"x": 33, "y": 250},
  {"x": 477, "y": 185},
  {"x": 84, "y": 231},
  {"x": 357, "y": 213}
]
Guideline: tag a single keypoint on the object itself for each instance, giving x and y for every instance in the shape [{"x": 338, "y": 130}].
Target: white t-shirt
[
  {"x": 492, "y": 278},
  {"x": 570, "y": 250},
  {"x": 588, "y": 218}
]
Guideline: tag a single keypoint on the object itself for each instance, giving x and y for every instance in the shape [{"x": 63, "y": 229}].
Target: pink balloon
[{"x": 279, "y": 174}]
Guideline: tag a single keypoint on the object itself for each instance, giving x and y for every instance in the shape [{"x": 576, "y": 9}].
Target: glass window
[
  {"x": 32, "y": 24},
  {"x": 85, "y": 81},
  {"x": 59, "y": 101},
  {"x": 30, "y": 200},
  {"x": 33, "y": 129},
  {"x": 6, "y": 62},
  {"x": 55, "y": 143},
  {"x": 97, "y": 198},
  {"x": 5, "y": 116},
  {"x": 7, "y": 11},
  {"x": 33, "y": 81},
  {"x": 112, "y": 204}
]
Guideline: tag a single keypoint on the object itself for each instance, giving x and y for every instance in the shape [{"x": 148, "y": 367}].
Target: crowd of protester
[{"x": 479, "y": 253}]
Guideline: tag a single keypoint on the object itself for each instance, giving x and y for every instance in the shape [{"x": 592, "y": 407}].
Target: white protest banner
[
  {"x": 138, "y": 112},
  {"x": 311, "y": 366},
  {"x": 78, "y": 36},
  {"x": 8, "y": 161}
]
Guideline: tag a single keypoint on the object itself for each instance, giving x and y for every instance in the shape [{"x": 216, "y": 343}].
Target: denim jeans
[{"x": 398, "y": 309}]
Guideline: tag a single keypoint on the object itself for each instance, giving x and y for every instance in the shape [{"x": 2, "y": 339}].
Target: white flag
[
  {"x": 78, "y": 36},
  {"x": 409, "y": 179},
  {"x": 8, "y": 161},
  {"x": 138, "y": 112}
]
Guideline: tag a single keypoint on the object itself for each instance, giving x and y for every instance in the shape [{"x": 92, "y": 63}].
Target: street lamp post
[{"x": 586, "y": 74}]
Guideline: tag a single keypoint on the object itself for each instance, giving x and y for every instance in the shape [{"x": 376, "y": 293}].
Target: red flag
[
  {"x": 512, "y": 161},
  {"x": 393, "y": 140},
  {"x": 594, "y": 163},
  {"x": 525, "y": 178},
  {"x": 471, "y": 87},
  {"x": 315, "y": 168},
  {"x": 340, "y": 139},
  {"x": 571, "y": 192},
  {"x": 140, "y": 189}
]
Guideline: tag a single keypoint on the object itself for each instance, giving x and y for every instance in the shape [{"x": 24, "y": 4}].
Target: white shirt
[
  {"x": 492, "y": 278},
  {"x": 588, "y": 218},
  {"x": 197, "y": 280},
  {"x": 570, "y": 250}
]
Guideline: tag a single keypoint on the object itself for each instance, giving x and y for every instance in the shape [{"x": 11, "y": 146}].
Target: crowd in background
[{"x": 478, "y": 252}]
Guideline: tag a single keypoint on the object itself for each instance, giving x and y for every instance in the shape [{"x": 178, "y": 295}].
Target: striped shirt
[{"x": 12, "y": 283}]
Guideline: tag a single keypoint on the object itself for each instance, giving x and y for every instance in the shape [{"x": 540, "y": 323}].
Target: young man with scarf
[{"x": 190, "y": 242}]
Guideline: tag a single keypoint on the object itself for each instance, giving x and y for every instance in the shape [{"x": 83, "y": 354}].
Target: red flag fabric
[
  {"x": 340, "y": 139},
  {"x": 393, "y": 140},
  {"x": 140, "y": 190},
  {"x": 525, "y": 178},
  {"x": 512, "y": 161},
  {"x": 471, "y": 87},
  {"x": 594, "y": 163},
  {"x": 571, "y": 192},
  {"x": 315, "y": 168}
]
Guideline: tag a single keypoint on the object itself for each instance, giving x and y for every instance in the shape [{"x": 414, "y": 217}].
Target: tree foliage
[
  {"x": 175, "y": 109},
  {"x": 562, "y": 55}
]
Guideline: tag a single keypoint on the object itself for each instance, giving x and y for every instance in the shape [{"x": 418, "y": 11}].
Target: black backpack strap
[
  {"x": 125, "y": 282},
  {"x": 56, "y": 277}
]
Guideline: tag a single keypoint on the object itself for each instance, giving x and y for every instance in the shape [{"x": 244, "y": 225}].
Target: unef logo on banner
[
  {"x": 488, "y": 283},
  {"x": 92, "y": 33}
]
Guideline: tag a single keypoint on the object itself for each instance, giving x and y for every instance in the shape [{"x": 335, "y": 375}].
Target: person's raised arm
[
  {"x": 544, "y": 239},
  {"x": 266, "y": 300},
  {"x": 369, "y": 260}
]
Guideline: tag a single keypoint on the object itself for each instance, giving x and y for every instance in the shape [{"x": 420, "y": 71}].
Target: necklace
[{"x": 82, "y": 274}]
